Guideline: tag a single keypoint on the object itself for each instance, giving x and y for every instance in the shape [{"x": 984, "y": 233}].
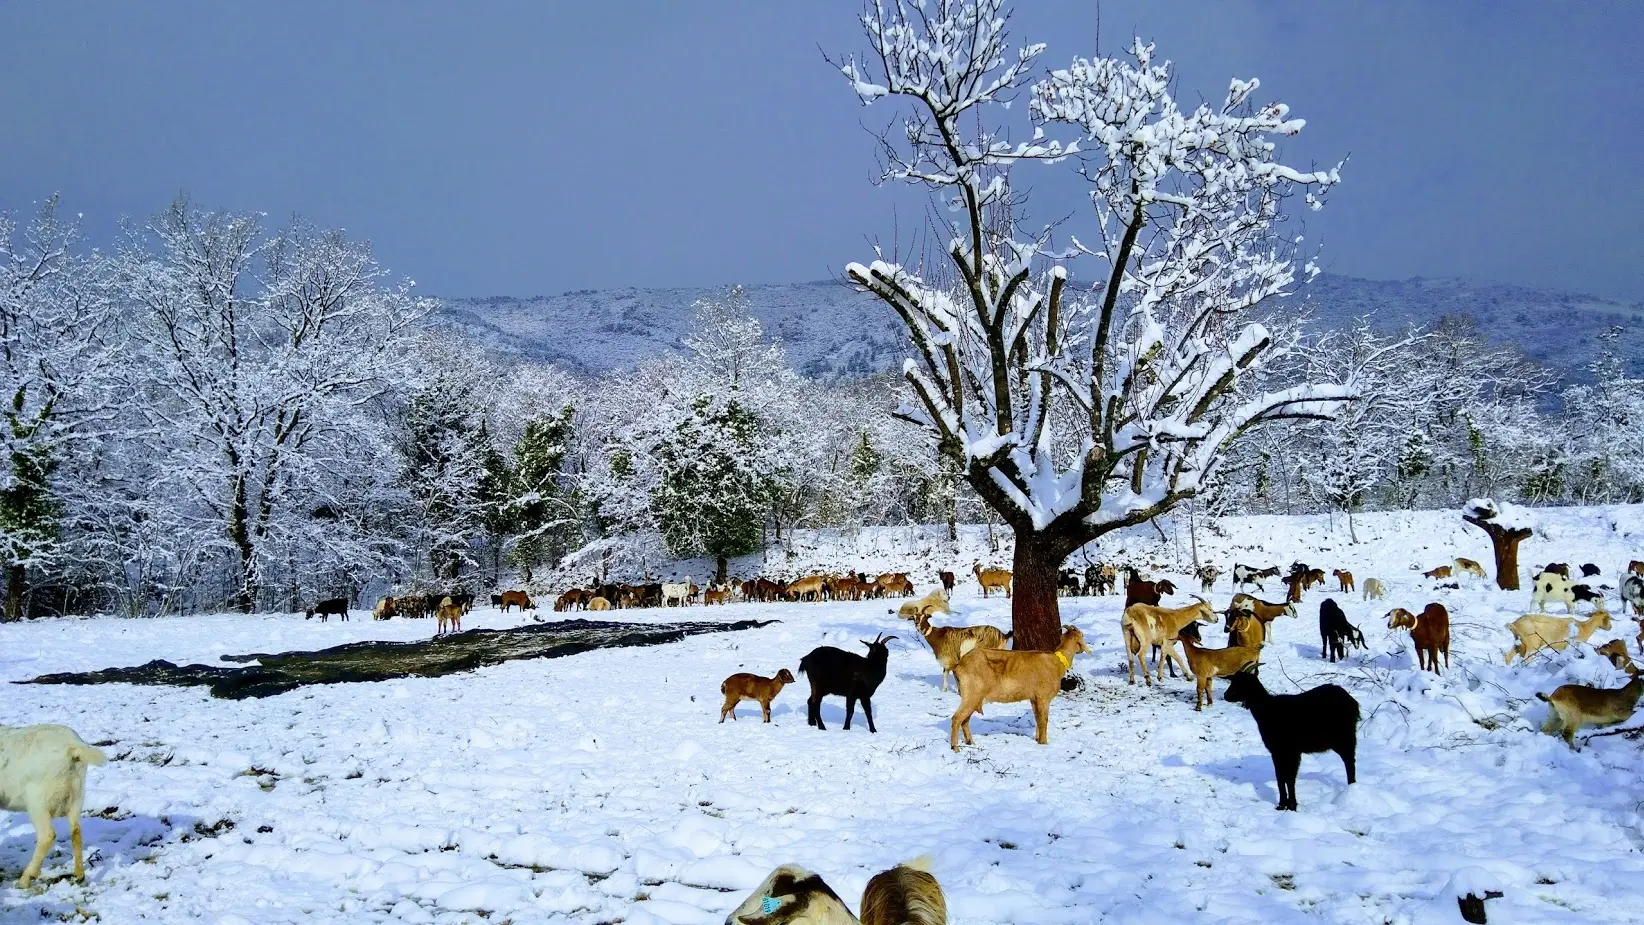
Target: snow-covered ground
[{"x": 599, "y": 788}]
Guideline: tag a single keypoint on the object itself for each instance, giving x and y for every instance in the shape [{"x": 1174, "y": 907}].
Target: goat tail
[
  {"x": 802, "y": 664},
  {"x": 1544, "y": 697},
  {"x": 87, "y": 754},
  {"x": 920, "y": 863}
]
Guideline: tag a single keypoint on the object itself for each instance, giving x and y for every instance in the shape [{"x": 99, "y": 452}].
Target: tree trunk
[
  {"x": 1035, "y": 613},
  {"x": 239, "y": 531},
  {"x": 721, "y": 570},
  {"x": 1505, "y": 543},
  {"x": 16, "y": 584}
]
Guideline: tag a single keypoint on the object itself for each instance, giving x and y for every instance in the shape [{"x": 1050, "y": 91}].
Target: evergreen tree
[{"x": 712, "y": 496}]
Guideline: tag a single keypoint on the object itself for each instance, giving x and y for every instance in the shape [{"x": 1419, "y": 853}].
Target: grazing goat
[
  {"x": 1324, "y": 719},
  {"x": 1443, "y": 571},
  {"x": 948, "y": 581},
  {"x": 1470, "y": 567},
  {"x": 1011, "y": 676},
  {"x": 1144, "y": 626},
  {"x": 1616, "y": 651},
  {"x": 1632, "y": 592},
  {"x": 1246, "y": 575},
  {"x": 449, "y": 616},
  {"x": 951, "y": 643},
  {"x": 1210, "y": 664},
  {"x": 1430, "y": 633},
  {"x": 896, "y": 583},
  {"x": 1636, "y": 567},
  {"x": 904, "y": 895},
  {"x": 1337, "y": 634},
  {"x": 384, "y": 610},
  {"x": 520, "y": 599},
  {"x": 598, "y": 603},
  {"x": 1374, "y": 590},
  {"x": 934, "y": 602},
  {"x": 811, "y": 588},
  {"x": 574, "y": 599},
  {"x": 835, "y": 672},
  {"x": 1560, "y": 569},
  {"x": 1574, "y": 706},
  {"x": 1551, "y": 586},
  {"x": 1536, "y": 631},
  {"x": 720, "y": 596},
  {"x": 1584, "y": 594},
  {"x": 676, "y": 594},
  {"x": 1590, "y": 569},
  {"x": 1207, "y": 577},
  {"x": 43, "y": 774},
  {"x": 992, "y": 579},
  {"x": 325, "y": 609},
  {"x": 743, "y": 686},
  {"x": 1344, "y": 579}
]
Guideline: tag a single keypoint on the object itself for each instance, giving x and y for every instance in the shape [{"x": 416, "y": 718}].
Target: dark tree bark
[
  {"x": 1035, "y": 609},
  {"x": 721, "y": 570},
  {"x": 16, "y": 586},
  {"x": 1505, "y": 540}
]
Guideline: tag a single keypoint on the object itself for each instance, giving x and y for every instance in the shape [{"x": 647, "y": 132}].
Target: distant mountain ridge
[{"x": 831, "y": 331}]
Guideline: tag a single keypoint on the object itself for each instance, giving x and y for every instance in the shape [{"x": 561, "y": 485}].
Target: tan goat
[
  {"x": 1616, "y": 651},
  {"x": 1344, "y": 578},
  {"x": 598, "y": 603},
  {"x": 448, "y": 616},
  {"x": 1009, "y": 676},
  {"x": 1210, "y": 664},
  {"x": 1374, "y": 589},
  {"x": 934, "y": 602},
  {"x": 1574, "y": 706},
  {"x": 1536, "y": 631},
  {"x": 951, "y": 643},
  {"x": 1144, "y": 626},
  {"x": 743, "y": 686},
  {"x": 992, "y": 579},
  {"x": 1469, "y": 567},
  {"x": 1244, "y": 631}
]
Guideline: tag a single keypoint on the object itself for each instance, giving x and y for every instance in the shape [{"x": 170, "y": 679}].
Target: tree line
[{"x": 223, "y": 414}]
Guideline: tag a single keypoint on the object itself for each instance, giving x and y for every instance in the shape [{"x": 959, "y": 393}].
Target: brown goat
[
  {"x": 1636, "y": 567},
  {"x": 896, "y": 583},
  {"x": 1011, "y": 676},
  {"x": 1210, "y": 664},
  {"x": 449, "y": 616},
  {"x": 1144, "y": 626},
  {"x": 1573, "y": 706},
  {"x": 515, "y": 599},
  {"x": 1443, "y": 571},
  {"x": 906, "y": 894},
  {"x": 1616, "y": 651},
  {"x": 1245, "y": 630},
  {"x": 743, "y": 686},
  {"x": 992, "y": 579},
  {"x": 1430, "y": 633},
  {"x": 1343, "y": 578}
]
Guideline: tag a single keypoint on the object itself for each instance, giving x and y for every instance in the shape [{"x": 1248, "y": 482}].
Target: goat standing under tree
[{"x": 1153, "y": 387}]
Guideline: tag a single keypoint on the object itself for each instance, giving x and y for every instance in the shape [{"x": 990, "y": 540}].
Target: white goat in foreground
[{"x": 43, "y": 773}]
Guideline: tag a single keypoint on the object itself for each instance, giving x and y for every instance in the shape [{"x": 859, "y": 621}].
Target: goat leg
[
  {"x": 850, "y": 709},
  {"x": 867, "y": 710}
]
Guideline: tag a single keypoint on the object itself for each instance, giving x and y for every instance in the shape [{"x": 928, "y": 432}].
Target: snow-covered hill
[
  {"x": 832, "y": 331},
  {"x": 600, "y": 788}
]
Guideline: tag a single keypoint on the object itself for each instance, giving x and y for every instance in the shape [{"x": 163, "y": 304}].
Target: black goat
[
  {"x": 835, "y": 672},
  {"x": 1069, "y": 585},
  {"x": 1337, "y": 634},
  {"x": 1324, "y": 719},
  {"x": 1589, "y": 570},
  {"x": 325, "y": 609}
]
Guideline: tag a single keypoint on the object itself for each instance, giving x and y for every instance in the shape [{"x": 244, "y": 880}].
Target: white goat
[
  {"x": 43, "y": 773},
  {"x": 680, "y": 593}
]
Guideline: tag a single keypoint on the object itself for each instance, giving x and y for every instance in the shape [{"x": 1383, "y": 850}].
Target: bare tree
[{"x": 1155, "y": 369}]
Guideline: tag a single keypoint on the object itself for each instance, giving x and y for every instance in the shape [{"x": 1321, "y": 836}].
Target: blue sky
[{"x": 533, "y": 147}]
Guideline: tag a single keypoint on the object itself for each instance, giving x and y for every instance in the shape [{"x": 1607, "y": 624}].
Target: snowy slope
[
  {"x": 832, "y": 331},
  {"x": 598, "y": 788}
]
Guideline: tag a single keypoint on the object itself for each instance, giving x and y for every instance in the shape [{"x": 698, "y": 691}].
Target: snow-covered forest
[{"x": 225, "y": 413}]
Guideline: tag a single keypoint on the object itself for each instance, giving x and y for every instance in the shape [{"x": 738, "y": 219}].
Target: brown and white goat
[
  {"x": 906, "y": 894},
  {"x": 1011, "y": 676},
  {"x": 951, "y": 643},
  {"x": 1263, "y": 611},
  {"x": 1574, "y": 706},
  {"x": 932, "y": 603},
  {"x": 1470, "y": 567},
  {"x": 744, "y": 686},
  {"x": 1430, "y": 633}
]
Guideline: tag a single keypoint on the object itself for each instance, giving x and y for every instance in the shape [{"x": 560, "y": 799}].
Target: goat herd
[{"x": 43, "y": 768}]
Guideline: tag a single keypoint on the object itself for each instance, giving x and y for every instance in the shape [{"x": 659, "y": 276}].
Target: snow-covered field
[{"x": 599, "y": 788}]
